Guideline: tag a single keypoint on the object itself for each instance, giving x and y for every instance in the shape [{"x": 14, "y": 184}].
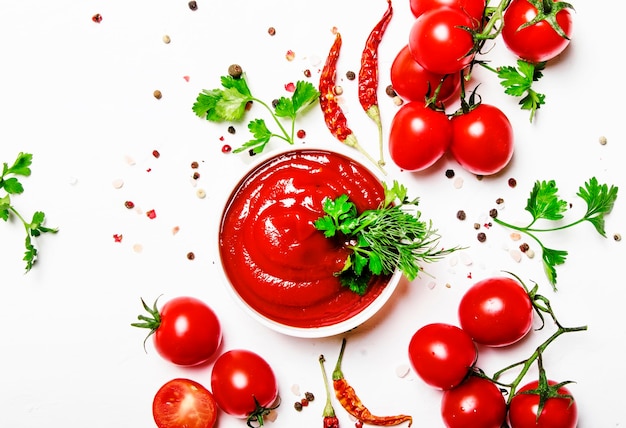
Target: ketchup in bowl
[{"x": 274, "y": 258}]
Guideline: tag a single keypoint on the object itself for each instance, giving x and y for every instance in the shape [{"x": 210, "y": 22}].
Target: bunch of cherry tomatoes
[
  {"x": 444, "y": 44},
  {"x": 494, "y": 312},
  {"x": 187, "y": 332}
]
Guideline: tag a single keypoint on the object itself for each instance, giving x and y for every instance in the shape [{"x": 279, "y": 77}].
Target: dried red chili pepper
[
  {"x": 368, "y": 75},
  {"x": 334, "y": 117},
  {"x": 353, "y": 405},
  {"x": 330, "y": 420}
]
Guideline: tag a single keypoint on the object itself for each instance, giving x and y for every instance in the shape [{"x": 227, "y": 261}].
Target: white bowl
[{"x": 292, "y": 315}]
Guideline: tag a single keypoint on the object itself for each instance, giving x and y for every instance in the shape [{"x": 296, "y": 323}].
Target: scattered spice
[
  {"x": 196, "y": 175},
  {"x": 304, "y": 402},
  {"x": 129, "y": 204},
  {"x": 512, "y": 182},
  {"x": 151, "y": 214},
  {"x": 200, "y": 193},
  {"x": 617, "y": 237},
  {"x": 97, "y": 18},
  {"x": 226, "y": 148},
  {"x": 301, "y": 133},
  {"x": 231, "y": 129},
  {"x": 290, "y": 55},
  {"x": 298, "y": 406},
  {"x": 524, "y": 247},
  {"x": 194, "y": 165},
  {"x": 390, "y": 91},
  {"x": 309, "y": 396},
  {"x": 481, "y": 237},
  {"x": 166, "y": 39},
  {"x": 449, "y": 173},
  {"x": 603, "y": 140},
  {"x": 398, "y": 101},
  {"x": 461, "y": 215},
  {"x": 191, "y": 255},
  {"x": 353, "y": 405},
  {"x": 157, "y": 94},
  {"x": 476, "y": 226},
  {"x": 117, "y": 237},
  {"x": 193, "y": 5},
  {"x": 290, "y": 87},
  {"x": 338, "y": 90},
  {"x": 368, "y": 76},
  {"x": 307, "y": 73},
  {"x": 350, "y": 75},
  {"x": 156, "y": 154},
  {"x": 235, "y": 71},
  {"x": 271, "y": 31},
  {"x": 118, "y": 183},
  {"x": 493, "y": 213}
]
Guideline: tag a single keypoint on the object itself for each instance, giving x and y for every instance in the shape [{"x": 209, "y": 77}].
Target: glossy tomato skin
[
  {"x": 557, "y": 412},
  {"x": 442, "y": 355},
  {"x": 482, "y": 140},
  {"x": 496, "y": 312},
  {"x": 438, "y": 42},
  {"x": 240, "y": 376},
  {"x": 474, "y": 8},
  {"x": 413, "y": 83},
  {"x": 476, "y": 403},
  {"x": 418, "y": 136},
  {"x": 184, "y": 403},
  {"x": 538, "y": 42},
  {"x": 190, "y": 332}
]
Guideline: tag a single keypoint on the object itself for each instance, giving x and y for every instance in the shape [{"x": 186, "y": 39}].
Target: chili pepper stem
[
  {"x": 329, "y": 411},
  {"x": 351, "y": 141},
  {"x": 374, "y": 113}
]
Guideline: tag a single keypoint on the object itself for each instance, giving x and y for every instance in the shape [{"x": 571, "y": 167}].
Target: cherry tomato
[
  {"x": 496, "y": 311},
  {"x": 439, "y": 43},
  {"x": 184, "y": 403},
  {"x": 474, "y": 8},
  {"x": 412, "y": 82},
  {"x": 538, "y": 42},
  {"x": 186, "y": 331},
  {"x": 418, "y": 136},
  {"x": 442, "y": 355},
  {"x": 476, "y": 403},
  {"x": 244, "y": 384},
  {"x": 557, "y": 412},
  {"x": 482, "y": 140}
]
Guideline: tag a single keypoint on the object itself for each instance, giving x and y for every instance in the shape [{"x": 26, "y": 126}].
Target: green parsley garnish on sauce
[
  {"x": 230, "y": 103},
  {"x": 382, "y": 240}
]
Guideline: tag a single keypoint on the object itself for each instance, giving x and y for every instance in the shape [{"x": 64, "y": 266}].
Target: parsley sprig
[
  {"x": 9, "y": 182},
  {"x": 382, "y": 240},
  {"x": 544, "y": 203},
  {"x": 229, "y": 104}
]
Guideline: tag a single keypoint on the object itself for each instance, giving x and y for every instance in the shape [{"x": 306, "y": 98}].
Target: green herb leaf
[
  {"x": 382, "y": 240},
  {"x": 518, "y": 83},
  {"x": 544, "y": 203}
]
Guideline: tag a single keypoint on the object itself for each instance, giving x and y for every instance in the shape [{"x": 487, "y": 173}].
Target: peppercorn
[
  {"x": 307, "y": 73},
  {"x": 493, "y": 213},
  {"x": 461, "y": 215},
  {"x": 194, "y": 165},
  {"x": 196, "y": 175},
  {"x": 617, "y": 237},
  {"x": 524, "y": 247},
  {"x": 157, "y": 94},
  {"x": 350, "y": 75},
  {"x": 129, "y": 204},
  {"x": 166, "y": 39},
  {"x": 390, "y": 91},
  {"x": 298, "y": 406},
  {"x": 512, "y": 182},
  {"x": 235, "y": 71},
  {"x": 481, "y": 237},
  {"x": 271, "y": 31},
  {"x": 449, "y": 173},
  {"x": 309, "y": 396},
  {"x": 231, "y": 129},
  {"x": 191, "y": 256},
  {"x": 193, "y": 5}
]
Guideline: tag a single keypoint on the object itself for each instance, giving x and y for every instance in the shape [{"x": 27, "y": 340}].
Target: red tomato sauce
[{"x": 272, "y": 254}]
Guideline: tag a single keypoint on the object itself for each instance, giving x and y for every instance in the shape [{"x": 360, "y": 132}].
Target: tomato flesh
[
  {"x": 476, "y": 403},
  {"x": 442, "y": 355},
  {"x": 184, "y": 403},
  {"x": 538, "y": 42},
  {"x": 496, "y": 312},
  {"x": 418, "y": 136},
  {"x": 557, "y": 412}
]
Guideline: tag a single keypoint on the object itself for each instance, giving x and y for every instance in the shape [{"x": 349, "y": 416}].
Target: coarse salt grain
[
  {"x": 458, "y": 182},
  {"x": 175, "y": 230},
  {"x": 516, "y": 255},
  {"x": 200, "y": 193},
  {"x": 529, "y": 253},
  {"x": 431, "y": 285},
  {"x": 118, "y": 183},
  {"x": 295, "y": 389},
  {"x": 137, "y": 248},
  {"x": 515, "y": 236},
  {"x": 466, "y": 259},
  {"x": 402, "y": 370}
]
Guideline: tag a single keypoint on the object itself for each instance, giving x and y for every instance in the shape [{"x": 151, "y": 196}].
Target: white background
[{"x": 78, "y": 96}]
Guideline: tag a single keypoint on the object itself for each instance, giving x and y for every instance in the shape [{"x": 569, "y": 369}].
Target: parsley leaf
[
  {"x": 10, "y": 183},
  {"x": 382, "y": 240},
  {"x": 545, "y": 204},
  {"x": 229, "y": 104},
  {"x": 518, "y": 83}
]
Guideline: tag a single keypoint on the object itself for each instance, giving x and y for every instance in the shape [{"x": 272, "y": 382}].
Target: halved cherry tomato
[
  {"x": 538, "y": 42},
  {"x": 476, "y": 403},
  {"x": 558, "y": 412},
  {"x": 184, "y": 403},
  {"x": 482, "y": 140},
  {"x": 412, "y": 82},
  {"x": 244, "y": 385},
  {"x": 496, "y": 311},
  {"x": 418, "y": 136},
  {"x": 442, "y": 355}
]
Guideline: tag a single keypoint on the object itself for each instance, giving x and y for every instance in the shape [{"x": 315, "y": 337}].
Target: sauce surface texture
[{"x": 273, "y": 256}]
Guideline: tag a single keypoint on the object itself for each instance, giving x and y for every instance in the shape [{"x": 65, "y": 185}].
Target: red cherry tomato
[
  {"x": 442, "y": 355},
  {"x": 538, "y": 42},
  {"x": 186, "y": 331},
  {"x": 439, "y": 43},
  {"x": 476, "y": 403},
  {"x": 184, "y": 403},
  {"x": 496, "y": 311},
  {"x": 418, "y": 136},
  {"x": 412, "y": 82},
  {"x": 557, "y": 412},
  {"x": 482, "y": 140},
  {"x": 474, "y": 8},
  {"x": 244, "y": 384}
]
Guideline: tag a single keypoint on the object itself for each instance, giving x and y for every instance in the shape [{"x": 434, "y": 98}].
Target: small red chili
[{"x": 368, "y": 75}]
